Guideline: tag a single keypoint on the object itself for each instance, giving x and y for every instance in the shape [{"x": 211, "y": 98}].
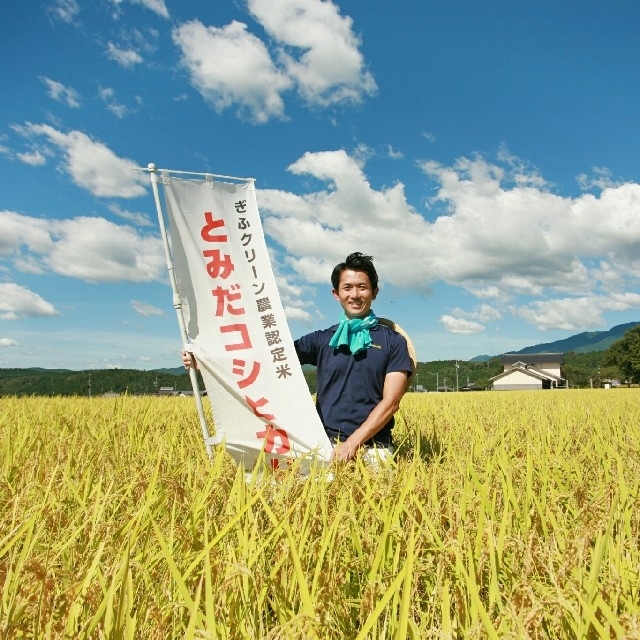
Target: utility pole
[
  {"x": 89, "y": 383},
  {"x": 457, "y": 367}
]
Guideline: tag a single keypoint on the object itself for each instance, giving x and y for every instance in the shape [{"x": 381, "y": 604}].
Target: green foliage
[
  {"x": 584, "y": 370},
  {"x": 54, "y": 382},
  {"x": 442, "y": 373},
  {"x": 625, "y": 354}
]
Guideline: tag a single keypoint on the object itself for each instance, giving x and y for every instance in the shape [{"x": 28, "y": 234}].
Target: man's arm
[{"x": 395, "y": 384}]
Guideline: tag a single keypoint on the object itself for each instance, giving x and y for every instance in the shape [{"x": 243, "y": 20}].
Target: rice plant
[{"x": 511, "y": 514}]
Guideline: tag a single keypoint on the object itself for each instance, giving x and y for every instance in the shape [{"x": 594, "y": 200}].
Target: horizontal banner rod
[{"x": 152, "y": 168}]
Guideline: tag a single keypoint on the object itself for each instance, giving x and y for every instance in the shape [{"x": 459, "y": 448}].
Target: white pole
[{"x": 177, "y": 304}]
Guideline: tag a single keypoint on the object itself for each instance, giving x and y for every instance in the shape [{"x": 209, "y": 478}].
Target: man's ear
[
  {"x": 375, "y": 294},
  {"x": 335, "y": 294}
]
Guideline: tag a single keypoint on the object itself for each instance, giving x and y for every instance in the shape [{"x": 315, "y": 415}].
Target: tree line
[{"x": 583, "y": 370}]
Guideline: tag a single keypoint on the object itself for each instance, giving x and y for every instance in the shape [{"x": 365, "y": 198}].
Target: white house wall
[
  {"x": 518, "y": 378},
  {"x": 550, "y": 367},
  {"x": 517, "y": 387}
]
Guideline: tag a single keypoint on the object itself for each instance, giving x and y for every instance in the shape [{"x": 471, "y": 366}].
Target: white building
[{"x": 530, "y": 371}]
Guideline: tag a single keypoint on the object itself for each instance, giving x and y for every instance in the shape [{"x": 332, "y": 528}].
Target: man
[{"x": 362, "y": 365}]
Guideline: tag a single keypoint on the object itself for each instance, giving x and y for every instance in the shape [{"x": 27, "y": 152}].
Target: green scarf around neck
[{"x": 354, "y": 333}]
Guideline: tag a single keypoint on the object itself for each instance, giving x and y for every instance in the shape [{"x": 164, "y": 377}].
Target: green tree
[{"x": 625, "y": 354}]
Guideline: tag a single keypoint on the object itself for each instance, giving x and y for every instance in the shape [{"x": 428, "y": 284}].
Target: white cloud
[
  {"x": 124, "y": 57},
  {"x": 34, "y": 158},
  {"x": 108, "y": 96},
  {"x": 460, "y": 325},
  {"x": 90, "y": 249},
  {"x": 91, "y": 164},
  {"x": 393, "y": 154},
  {"x": 294, "y": 297},
  {"x": 575, "y": 313},
  {"x": 482, "y": 313},
  {"x": 59, "y": 92},
  {"x": 486, "y": 313},
  {"x": 494, "y": 229},
  {"x": 600, "y": 179},
  {"x": 330, "y": 68},
  {"x": 157, "y": 6},
  {"x": 135, "y": 217},
  {"x": 17, "y": 302},
  {"x": 64, "y": 10},
  {"x": 428, "y": 135},
  {"x": 144, "y": 309},
  {"x": 468, "y": 322},
  {"x": 9, "y": 342},
  {"x": 230, "y": 66}
]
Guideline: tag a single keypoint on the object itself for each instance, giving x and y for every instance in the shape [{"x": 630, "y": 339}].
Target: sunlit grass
[{"x": 512, "y": 514}]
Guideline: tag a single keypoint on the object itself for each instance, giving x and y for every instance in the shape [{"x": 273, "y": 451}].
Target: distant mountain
[
  {"x": 580, "y": 343},
  {"x": 482, "y": 358},
  {"x": 583, "y": 342},
  {"x": 174, "y": 371}
]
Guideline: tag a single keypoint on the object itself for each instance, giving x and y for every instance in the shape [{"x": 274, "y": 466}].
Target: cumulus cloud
[
  {"x": 90, "y": 249},
  {"x": 463, "y": 321},
  {"x": 157, "y": 6},
  {"x": 144, "y": 309},
  {"x": 430, "y": 136},
  {"x": 313, "y": 49},
  {"x": 231, "y": 67},
  {"x": 393, "y": 154},
  {"x": 494, "y": 229},
  {"x": 600, "y": 178},
  {"x": 18, "y": 302},
  {"x": 64, "y": 10},
  {"x": 34, "y": 158},
  {"x": 9, "y": 342},
  {"x": 124, "y": 57},
  {"x": 135, "y": 217},
  {"x": 460, "y": 325},
  {"x": 330, "y": 68},
  {"x": 576, "y": 312},
  {"x": 294, "y": 296},
  {"x": 91, "y": 164},
  {"x": 108, "y": 96},
  {"x": 59, "y": 92}
]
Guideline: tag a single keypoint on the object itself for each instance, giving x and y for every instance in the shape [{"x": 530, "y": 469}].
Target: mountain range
[{"x": 579, "y": 343}]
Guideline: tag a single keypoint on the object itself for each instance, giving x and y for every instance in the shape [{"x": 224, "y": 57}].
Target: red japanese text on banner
[{"x": 236, "y": 324}]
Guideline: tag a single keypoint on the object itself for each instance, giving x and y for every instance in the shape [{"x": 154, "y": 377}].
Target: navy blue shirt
[{"x": 350, "y": 386}]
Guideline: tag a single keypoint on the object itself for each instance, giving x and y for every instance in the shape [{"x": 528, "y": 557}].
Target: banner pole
[{"x": 177, "y": 304}]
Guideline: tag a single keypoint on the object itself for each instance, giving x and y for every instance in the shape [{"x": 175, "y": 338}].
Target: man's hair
[{"x": 355, "y": 262}]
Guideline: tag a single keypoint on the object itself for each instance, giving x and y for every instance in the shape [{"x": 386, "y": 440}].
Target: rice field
[{"x": 505, "y": 515}]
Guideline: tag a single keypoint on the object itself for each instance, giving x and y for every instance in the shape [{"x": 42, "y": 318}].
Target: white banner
[{"x": 236, "y": 324}]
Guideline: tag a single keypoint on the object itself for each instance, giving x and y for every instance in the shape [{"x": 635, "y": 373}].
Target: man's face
[{"x": 355, "y": 294}]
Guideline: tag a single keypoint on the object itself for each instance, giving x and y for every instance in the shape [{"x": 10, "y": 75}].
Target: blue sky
[{"x": 486, "y": 155}]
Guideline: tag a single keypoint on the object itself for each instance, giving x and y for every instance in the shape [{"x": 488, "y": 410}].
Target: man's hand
[
  {"x": 344, "y": 451},
  {"x": 188, "y": 359}
]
